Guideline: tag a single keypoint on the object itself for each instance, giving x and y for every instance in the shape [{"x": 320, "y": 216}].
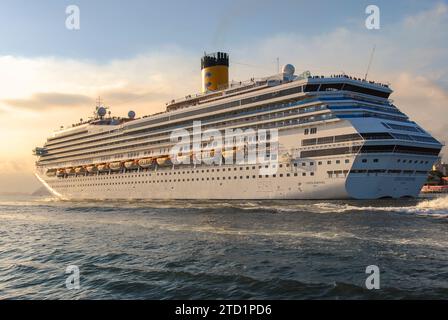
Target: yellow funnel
[{"x": 215, "y": 71}]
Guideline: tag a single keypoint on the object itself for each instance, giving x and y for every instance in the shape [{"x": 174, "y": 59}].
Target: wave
[
  {"x": 437, "y": 207},
  {"x": 433, "y": 207}
]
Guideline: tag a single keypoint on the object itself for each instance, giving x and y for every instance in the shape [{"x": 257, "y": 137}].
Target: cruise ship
[{"x": 286, "y": 136}]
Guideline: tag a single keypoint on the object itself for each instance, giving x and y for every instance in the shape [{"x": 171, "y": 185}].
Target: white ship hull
[{"x": 288, "y": 183}]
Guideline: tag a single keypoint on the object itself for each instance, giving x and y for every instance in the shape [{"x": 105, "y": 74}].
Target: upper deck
[
  {"x": 241, "y": 93},
  {"x": 238, "y": 88}
]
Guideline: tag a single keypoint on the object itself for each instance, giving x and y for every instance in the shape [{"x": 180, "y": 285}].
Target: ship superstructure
[{"x": 336, "y": 137}]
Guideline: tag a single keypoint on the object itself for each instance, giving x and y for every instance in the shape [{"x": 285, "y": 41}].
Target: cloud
[
  {"x": 39, "y": 101},
  {"x": 427, "y": 17},
  {"x": 52, "y": 100},
  {"x": 424, "y": 101},
  {"x": 148, "y": 79}
]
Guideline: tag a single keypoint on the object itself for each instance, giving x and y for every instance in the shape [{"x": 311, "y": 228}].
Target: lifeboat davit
[
  {"x": 70, "y": 171},
  {"x": 196, "y": 157},
  {"x": 92, "y": 169},
  {"x": 115, "y": 166},
  {"x": 80, "y": 170},
  {"x": 103, "y": 167},
  {"x": 145, "y": 163},
  {"x": 60, "y": 173},
  {"x": 164, "y": 161},
  {"x": 131, "y": 165}
]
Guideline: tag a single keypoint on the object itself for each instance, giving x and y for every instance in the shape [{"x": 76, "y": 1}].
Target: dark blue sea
[{"x": 223, "y": 249}]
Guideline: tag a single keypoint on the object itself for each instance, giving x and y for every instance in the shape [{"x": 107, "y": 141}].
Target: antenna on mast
[
  {"x": 100, "y": 111},
  {"x": 98, "y": 102},
  {"x": 370, "y": 61}
]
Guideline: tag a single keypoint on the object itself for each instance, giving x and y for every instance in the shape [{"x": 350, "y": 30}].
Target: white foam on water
[{"x": 436, "y": 207}]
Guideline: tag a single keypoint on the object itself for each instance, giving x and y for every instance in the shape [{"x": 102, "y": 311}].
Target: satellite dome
[
  {"x": 288, "y": 69},
  {"x": 131, "y": 114},
  {"x": 101, "y": 111}
]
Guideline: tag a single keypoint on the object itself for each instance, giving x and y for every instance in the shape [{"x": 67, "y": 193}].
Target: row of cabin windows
[
  {"x": 331, "y": 139},
  {"x": 308, "y": 131},
  {"x": 371, "y": 149},
  {"x": 400, "y": 160},
  {"x": 330, "y": 175},
  {"x": 410, "y": 161},
  {"x": 337, "y": 173},
  {"x": 281, "y": 175},
  {"x": 419, "y": 172}
]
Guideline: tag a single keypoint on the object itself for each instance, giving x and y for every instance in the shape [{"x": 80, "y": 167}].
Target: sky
[{"x": 139, "y": 54}]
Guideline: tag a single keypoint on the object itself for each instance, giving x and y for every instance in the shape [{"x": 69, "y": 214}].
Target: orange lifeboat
[
  {"x": 115, "y": 166},
  {"x": 92, "y": 169},
  {"x": 51, "y": 172},
  {"x": 164, "y": 161},
  {"x": 145, "y": 163},
  {"x": 80, "y": 170},
  {"x": 60, "y": 172},
  {"x": 70, "y": 171},
  {"x": 131, "y": 164},
  {"x": 103, "y": 167}
]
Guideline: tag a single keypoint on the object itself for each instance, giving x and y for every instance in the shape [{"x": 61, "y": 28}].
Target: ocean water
[{"x": 223, "y": 249}]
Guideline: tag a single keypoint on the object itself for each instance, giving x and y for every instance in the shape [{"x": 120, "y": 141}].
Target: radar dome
[
  {"x": 131, "y": 114},
  {"x": 101, "y": 111},
  {"x": 288, "y": 69}
]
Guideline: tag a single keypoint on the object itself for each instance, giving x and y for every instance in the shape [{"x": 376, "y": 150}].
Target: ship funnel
[{"x": 215, "y": 71}]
